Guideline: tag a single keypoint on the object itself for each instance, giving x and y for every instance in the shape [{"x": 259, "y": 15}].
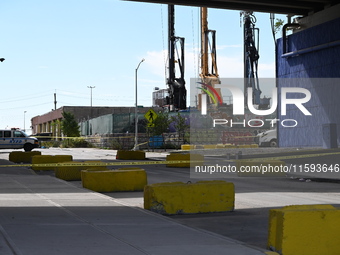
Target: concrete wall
[{"x": 299, "y": 69}]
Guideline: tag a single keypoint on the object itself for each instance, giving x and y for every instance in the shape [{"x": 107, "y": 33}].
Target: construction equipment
[
  {"x": 251, "y": 56},
  {"x": 209, "y": 73},
  {"x": 176, "y": 85}
]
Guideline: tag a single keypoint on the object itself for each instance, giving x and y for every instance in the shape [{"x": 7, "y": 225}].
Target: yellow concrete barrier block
[
  {"x": 22, "y": 156},
  {"x": 306, "y": 229},
  {"x": 196, "y": 159},
  {"x": 112, "y": 181},
  {"x": 253, "y": 168},
  {"x": 244, "y": 146},
  {"x": 130, "y": 155},
  {"x": 73, "y": 173},
  {"x": 129, "y": 168},
  {"x": 220, "y": 146},
  {"x": 49, "y": 159},
  {"x": 62, "y": 158},
  {"x": 254, "y": 146},
  {"x": 209, "y": 146},
  {"x": 229, "y": 146},
  {"x": 185, "y": 198},
  {"x": 199, "y": 147},
  {"x": 187, "y": 147}
]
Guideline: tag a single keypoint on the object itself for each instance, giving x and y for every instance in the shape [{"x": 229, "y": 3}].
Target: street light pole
[
  {"x": 24, "y": 121},
  {"x": 91, "y": 99},
  {"x": 136, "y": 147},
  {"x": 91, "y": 92}
]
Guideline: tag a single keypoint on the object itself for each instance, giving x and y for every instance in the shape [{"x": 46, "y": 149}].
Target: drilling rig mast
[
  {"x": 209, "y": 72},
  {"x": 176, "y": 86},
  {"x": 251, "y": 56}
]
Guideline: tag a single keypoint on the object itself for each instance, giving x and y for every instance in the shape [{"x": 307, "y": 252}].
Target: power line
[
  {"x": 22, "y": 99},
  {"x": 24, "y": 107}
]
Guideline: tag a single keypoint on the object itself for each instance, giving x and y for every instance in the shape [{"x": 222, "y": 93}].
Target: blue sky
[{"x": 66, "y": 46}]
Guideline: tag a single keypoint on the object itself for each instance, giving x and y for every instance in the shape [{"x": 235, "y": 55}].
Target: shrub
[
  {"x": 76, "y": 143},
  {"x": 115, "y": 144},
  {"x": 48, "y": 144}
]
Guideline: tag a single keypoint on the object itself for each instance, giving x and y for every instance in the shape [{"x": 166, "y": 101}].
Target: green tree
[
  {"x": 161, "y": 124},
  {"x": 69, "y": 125},
  {"x": 278, "y": 25},
  {"x": 180, "y": 125}
]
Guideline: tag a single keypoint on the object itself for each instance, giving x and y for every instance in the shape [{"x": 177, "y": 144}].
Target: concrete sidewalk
[{"x": 45, "y": 215}]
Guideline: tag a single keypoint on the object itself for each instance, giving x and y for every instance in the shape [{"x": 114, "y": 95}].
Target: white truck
[{"x": 16, "y": 139}]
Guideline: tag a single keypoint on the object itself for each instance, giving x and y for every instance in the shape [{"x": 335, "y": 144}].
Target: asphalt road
[{"x": 254, "y": 197}]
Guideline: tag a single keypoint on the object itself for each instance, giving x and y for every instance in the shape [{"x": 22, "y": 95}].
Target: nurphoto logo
[{"x": 238, "y": 106}]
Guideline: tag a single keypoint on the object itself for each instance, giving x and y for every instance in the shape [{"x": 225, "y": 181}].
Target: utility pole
[
  {"x": 91, "y": 99},
  {"x": 55, "y": 101},
  {"x": 24, "y": 121},
  {"x": 91, "y": 92}
]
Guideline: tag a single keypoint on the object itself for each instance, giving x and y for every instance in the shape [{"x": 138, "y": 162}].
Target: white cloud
[
  {"x": 228, "y": 67},
  {"x": 267, "y": 70},
  {"x": 155, "y": 62},
  {"x": 222, "y": 47}
]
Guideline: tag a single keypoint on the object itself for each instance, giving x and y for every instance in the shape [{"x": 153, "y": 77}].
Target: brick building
[{"x": 50, "y": 122}]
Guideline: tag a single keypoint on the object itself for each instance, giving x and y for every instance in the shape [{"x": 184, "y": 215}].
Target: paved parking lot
[{"x": 255, "y": 196}]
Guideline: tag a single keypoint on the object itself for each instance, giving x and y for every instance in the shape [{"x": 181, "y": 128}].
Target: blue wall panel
[{"x": 319, "y": 72}]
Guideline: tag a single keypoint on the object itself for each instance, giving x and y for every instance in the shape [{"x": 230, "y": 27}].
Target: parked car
[
  {"x": 17, "y": 139},
  {"x": 47, "y": 136}
]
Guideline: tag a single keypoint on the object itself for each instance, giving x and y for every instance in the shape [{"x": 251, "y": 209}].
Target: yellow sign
[{"x": 151, "y": 115}]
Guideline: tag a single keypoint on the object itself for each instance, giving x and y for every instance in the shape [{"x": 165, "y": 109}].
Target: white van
[
  {"x": 267, "y": 138},
  {"x": 16, "y": 139}
]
